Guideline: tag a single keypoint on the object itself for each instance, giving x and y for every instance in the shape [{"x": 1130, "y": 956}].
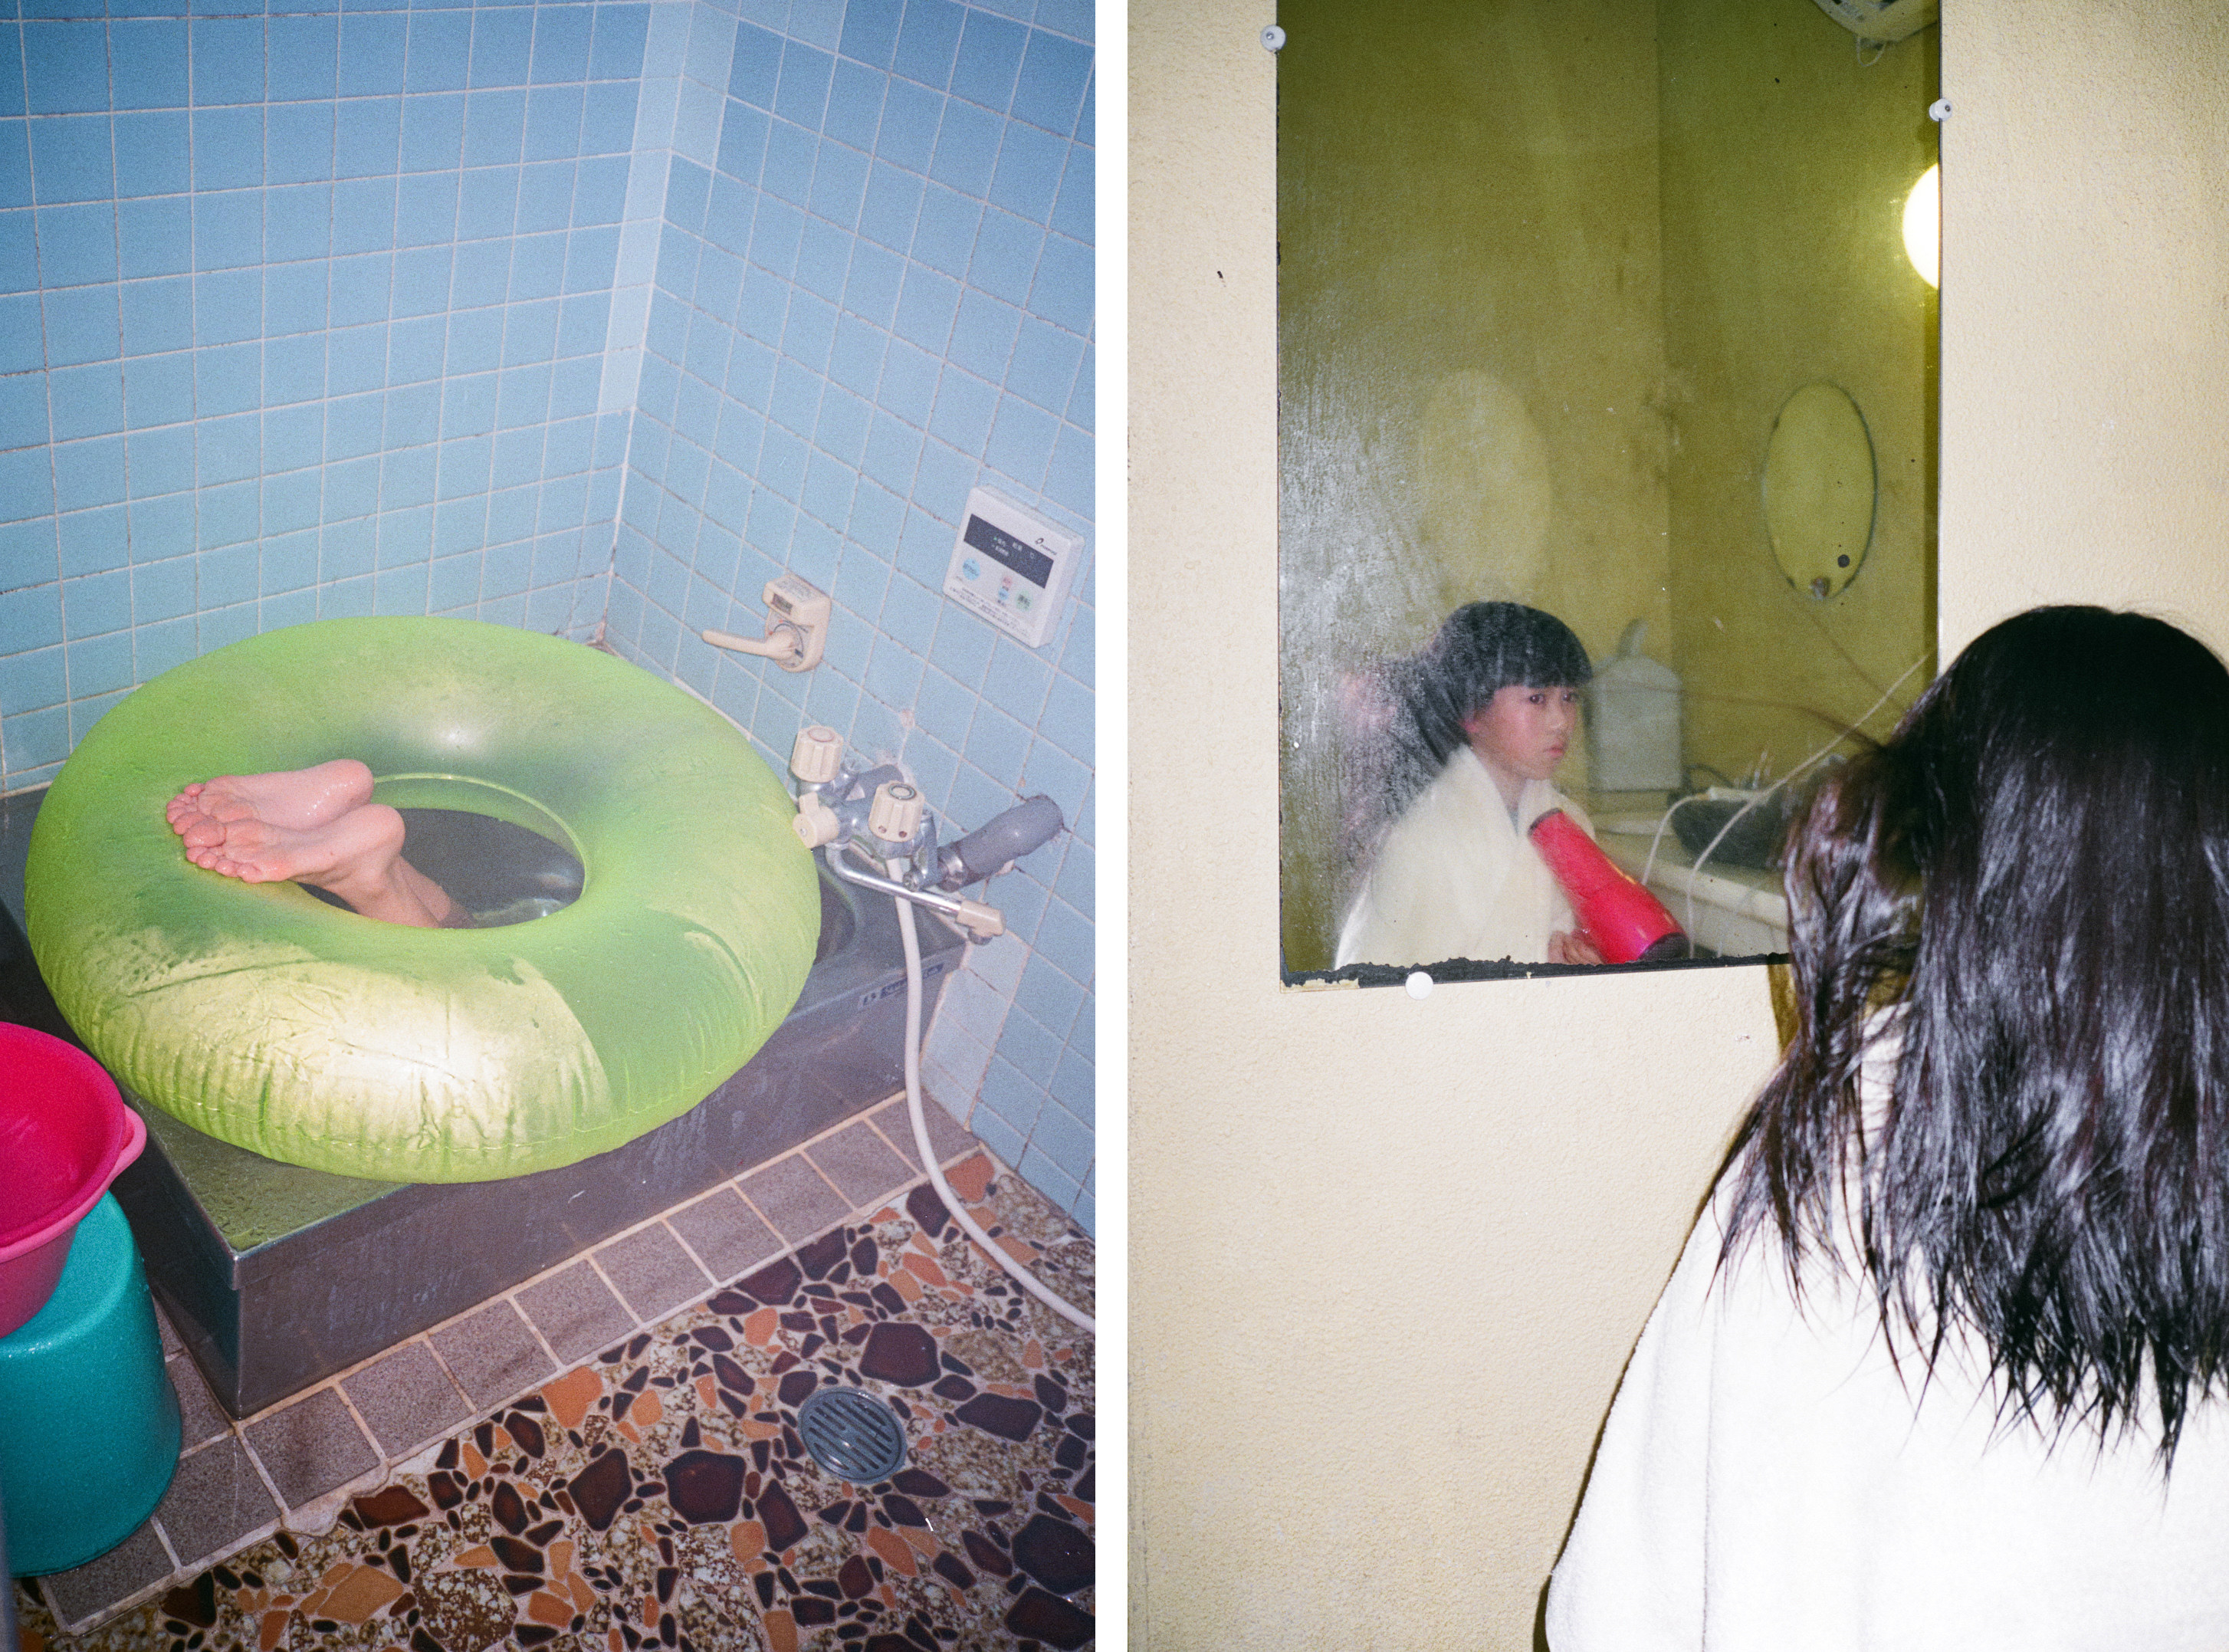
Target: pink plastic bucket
[{"x": 65, "y": 1134}]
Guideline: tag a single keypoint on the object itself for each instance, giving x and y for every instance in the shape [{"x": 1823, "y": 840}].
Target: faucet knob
[
  {"x": 817, "y": 754},
  {"x": 815, "y": 823},
  {"x": 894, "y": 815},
  {"x": 981, "y": 922}
]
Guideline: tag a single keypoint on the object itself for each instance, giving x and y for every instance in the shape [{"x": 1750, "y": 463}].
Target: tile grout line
[
  {"x": 689, "y": 1250},
  {"x": 597, "y": 1267},
  {"x": 540, "y": 1338},
  {"x": 378, "y": 1451},
  {"x": 163, "y": 1534}
]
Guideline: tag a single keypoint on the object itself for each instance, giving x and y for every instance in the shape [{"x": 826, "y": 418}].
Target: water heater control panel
[{"x": 1012, "y": 566}]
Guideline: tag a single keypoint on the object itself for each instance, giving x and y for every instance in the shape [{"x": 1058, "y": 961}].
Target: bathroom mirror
[
  {"x": 1819, "y": 489},
  {"x": 1589, "y": 306}
]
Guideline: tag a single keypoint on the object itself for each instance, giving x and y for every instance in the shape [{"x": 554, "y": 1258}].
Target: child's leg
[
  {"x": 428, "y": 893},
  {"x": 358, "y": 856}
]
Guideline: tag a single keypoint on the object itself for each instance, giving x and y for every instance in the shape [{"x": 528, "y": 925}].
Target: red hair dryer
[{"x": 1624, "y": 921}]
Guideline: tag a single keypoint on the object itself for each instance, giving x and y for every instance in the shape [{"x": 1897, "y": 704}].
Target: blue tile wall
[
  {"x": 872, "y": 291},
  {"x": 589, "y": 318},
  {"x": 303, "y": 314}
]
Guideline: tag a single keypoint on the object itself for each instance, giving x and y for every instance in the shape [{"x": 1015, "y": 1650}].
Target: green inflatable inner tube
[{"x": 265, "y": 1016}]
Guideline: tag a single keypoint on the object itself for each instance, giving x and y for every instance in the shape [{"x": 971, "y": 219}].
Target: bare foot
[
  {"x": 356, "y": 856},
  {"x": 295, "y": 799}
]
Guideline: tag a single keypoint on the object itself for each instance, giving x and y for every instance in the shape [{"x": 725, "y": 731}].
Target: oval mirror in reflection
[{"x": 1819, "y": 489}]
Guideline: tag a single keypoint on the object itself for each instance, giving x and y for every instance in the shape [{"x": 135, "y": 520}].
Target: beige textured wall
[
  {"x": 1447, "y": 1273},
  {"x": 1388, "y": 1255},
  {"x": 2085, "y": 311}
]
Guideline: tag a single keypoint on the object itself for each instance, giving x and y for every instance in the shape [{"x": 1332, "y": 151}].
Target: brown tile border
[
  {"x": 406, "y": 1399},
  {"x": 311, "y": 1447},
  {"x": 946, "y": 1135},
  {"x": 132, "y": 1565},
  {"x": 653, "y": 1273},
  {"x": 864, "y": 1167},
  {"x": 216, "y": 1502},
  {"x": 576, "y": 1311},
  {"x": 795, "y": 1198},
  {"x": 492, "y": 1353},
  {"x": 726, "y": 1233},
  {"x": 201, "y": 1419}
]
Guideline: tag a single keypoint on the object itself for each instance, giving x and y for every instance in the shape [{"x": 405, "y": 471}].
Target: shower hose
[{"x": 990, "y": 1247}]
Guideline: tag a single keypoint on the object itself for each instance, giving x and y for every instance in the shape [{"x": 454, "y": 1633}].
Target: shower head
[{"x": 998, "y": 843}]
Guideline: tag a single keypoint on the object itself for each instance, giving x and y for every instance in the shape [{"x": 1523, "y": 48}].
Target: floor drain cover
[{"x": 852, "y": 1434}]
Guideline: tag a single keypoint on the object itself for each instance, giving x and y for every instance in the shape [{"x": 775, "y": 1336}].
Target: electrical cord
[{"x": 1711, "y": 848}]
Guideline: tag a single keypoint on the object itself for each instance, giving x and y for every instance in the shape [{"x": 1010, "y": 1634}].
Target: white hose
[
  {"x": 1028, "y": 1281},
  {"x": 1695, "y": 867}
]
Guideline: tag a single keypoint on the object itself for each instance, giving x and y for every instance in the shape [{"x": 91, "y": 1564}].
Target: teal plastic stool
[{"x": 88, "y": 1424}]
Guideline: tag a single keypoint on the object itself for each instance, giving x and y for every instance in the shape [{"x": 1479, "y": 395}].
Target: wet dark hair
[
  {"x": 1479, "y": 650},
  {"x": 2024, "y": 893}
]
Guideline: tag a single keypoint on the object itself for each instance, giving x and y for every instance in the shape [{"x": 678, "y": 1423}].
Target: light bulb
[{"x": 1922, "y": 226}]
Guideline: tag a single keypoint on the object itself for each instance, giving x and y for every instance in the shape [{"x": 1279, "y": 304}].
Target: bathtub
[{"x": 277, "y": 1276}]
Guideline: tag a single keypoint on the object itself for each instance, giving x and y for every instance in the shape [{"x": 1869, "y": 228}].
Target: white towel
[
  {"x": 1457, "y": 878},
  {"x": 1770, "y": 1480}
]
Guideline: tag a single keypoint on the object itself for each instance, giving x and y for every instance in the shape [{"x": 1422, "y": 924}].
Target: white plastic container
[{"x": 1633, "y": 721}]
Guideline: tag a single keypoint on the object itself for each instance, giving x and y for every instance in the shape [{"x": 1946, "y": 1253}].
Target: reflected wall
[{"x": 1548, "y": 268}]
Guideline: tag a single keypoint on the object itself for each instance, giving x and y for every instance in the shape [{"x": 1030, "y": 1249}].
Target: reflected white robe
[
  {"x": 1456, "y": 878},
  {"x": 1767, "y": 1482}
]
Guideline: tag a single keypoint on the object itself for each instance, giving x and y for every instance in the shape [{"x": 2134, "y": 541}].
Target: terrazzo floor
[{"x": 657, "y": 1493}]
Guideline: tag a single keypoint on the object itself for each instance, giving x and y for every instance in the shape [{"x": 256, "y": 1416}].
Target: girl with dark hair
[
  {"x": 1468, "y": 734},
  {"x": 1946, "y": 1361}
]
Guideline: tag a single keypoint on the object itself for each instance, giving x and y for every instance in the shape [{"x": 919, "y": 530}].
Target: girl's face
[{"x": 1522, "y": 733}]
